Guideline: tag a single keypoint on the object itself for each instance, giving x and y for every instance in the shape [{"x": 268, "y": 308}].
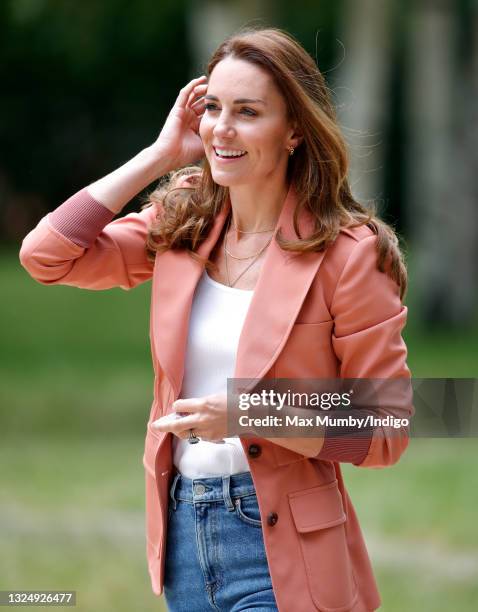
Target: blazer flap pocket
[{"x": 317, "y": 508}]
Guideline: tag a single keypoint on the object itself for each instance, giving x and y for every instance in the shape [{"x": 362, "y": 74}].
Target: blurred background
[{"x": 85, "y": 86}]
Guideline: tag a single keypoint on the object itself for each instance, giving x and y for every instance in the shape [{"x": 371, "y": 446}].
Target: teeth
[{"x": 228, "y": 153}]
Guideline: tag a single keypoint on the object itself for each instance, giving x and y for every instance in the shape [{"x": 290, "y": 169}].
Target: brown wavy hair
[{"x": 189, "y": 198}]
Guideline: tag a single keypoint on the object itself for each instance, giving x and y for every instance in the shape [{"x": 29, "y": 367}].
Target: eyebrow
[{"x": 238, "y": 101}]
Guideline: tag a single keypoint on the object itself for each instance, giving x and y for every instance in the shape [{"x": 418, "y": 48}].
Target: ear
[{"x": 295, "y": 136}]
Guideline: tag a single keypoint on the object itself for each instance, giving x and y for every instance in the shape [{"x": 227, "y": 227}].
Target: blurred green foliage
[
  {"x": 73, "y": 360},
  {"x": 85, "y": 85}
]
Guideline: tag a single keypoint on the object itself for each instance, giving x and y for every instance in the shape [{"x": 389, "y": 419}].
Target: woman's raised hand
[
  {"x": 177, "y": 145},
  {"x": 179, "y": 139}
]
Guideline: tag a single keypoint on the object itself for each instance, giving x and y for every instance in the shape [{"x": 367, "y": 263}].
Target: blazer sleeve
[
  {"x": 368, "y": 320},
  {"x": 78, "y": 244}
]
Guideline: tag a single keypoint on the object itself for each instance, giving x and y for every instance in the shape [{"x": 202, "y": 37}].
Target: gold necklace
[
  {"x": 248, "y": 266},
  {"x": 247, "y": 256}
]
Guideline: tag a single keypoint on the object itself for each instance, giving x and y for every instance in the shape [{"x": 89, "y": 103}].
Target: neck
[{"x": 257, "y": 207}]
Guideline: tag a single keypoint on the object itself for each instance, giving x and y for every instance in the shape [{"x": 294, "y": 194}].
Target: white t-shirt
[{"x": 217, "y": 318}]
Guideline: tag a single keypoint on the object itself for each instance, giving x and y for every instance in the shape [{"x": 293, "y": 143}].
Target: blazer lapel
[
  {"x": 176, "y": 276},
  {"x": 283, "y": 284}
]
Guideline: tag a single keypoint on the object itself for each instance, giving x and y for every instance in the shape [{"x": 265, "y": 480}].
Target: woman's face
[{"x": 244, "y": 128}]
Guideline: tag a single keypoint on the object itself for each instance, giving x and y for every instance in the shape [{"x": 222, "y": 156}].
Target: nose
[{"x": 223, "y": 128}]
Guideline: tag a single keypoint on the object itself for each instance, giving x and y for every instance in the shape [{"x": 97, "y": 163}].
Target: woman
[{"x": 263, "y": 266}]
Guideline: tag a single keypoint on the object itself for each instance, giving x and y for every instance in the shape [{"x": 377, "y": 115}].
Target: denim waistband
[{"x": 213, "y": 489}]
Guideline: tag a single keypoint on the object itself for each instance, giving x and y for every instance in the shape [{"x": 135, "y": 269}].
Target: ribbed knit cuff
[
  {"x": 80, "y": 218},
  {"x": 346, "y": 449}
]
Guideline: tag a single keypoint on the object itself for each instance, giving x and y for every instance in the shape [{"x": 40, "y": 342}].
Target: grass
[
  {"x": 75, "y": 394},
  {"x": 72, "y": 518}
]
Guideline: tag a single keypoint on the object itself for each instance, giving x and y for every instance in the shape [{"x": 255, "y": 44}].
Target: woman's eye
[{"x": 210, "y": 106}]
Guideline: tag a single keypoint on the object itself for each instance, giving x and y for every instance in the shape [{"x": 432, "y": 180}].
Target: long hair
[{"x": 318, "y": 168}]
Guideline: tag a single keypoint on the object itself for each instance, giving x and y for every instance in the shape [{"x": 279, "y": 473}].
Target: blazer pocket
[{"x": 319, "y": 518}]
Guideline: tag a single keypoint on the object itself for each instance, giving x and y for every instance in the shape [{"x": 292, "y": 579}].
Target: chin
[{"x": 225, "y": 180}]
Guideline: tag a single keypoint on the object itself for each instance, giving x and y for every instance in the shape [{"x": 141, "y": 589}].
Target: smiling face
[{"x": 245, "y": 131}]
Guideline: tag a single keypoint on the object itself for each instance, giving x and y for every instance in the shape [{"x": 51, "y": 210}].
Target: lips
[{"x": 229, "y": 154}]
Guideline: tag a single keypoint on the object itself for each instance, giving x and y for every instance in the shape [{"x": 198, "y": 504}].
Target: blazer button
[
  {"x": 272, "y": 518},
  {"x": 254, "y": 450}
]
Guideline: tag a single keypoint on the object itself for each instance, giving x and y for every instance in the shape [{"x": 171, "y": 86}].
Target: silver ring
[{"x": 193, "y": 439}]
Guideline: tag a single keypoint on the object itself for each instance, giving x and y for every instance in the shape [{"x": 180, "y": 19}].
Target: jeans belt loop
[{"x": 226, "y": 492}]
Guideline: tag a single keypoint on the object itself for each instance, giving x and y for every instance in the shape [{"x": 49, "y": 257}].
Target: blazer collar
[{"x": 283, "y": 284}]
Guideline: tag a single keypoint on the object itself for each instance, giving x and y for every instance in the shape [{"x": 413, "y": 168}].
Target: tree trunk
[
  {"x": 363, "y": 92},
  {"x": 211, "y": 21},
  {"x": 441, "y": 184}
]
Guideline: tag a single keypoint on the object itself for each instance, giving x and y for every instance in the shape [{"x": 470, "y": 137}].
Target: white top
[{"x": 217, "y": 317}]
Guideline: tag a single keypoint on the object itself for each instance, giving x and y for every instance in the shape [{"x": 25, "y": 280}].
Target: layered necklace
[{"x": 253, "y": 257}]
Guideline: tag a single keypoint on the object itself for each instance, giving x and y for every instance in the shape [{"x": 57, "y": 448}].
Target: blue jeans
[{"x": 215, "y": 557}]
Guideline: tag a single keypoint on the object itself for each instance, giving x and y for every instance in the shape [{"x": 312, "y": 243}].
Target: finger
[
  {"x": 198, "y": 107},
  {"x": 184, "y": 435},
  {"x": 185, "y": 424},
  {"x": 184, "y": 93},
  {"x": 192, "y": 116},
  {"x": 191, "y": 404},
  {"x": 198, "y": 90},
  {"x": 177, "y": 426},
  {"x": 201, "y": 102},
  {"x": 195, "y": 100},
  {"x": 199, "y": 95},
  {"x": 198, "y": 104},
  {"x": 196, "y": 121}
]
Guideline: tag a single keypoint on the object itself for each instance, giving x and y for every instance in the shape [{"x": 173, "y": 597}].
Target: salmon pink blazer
[{"x": 316, "y": 315}]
